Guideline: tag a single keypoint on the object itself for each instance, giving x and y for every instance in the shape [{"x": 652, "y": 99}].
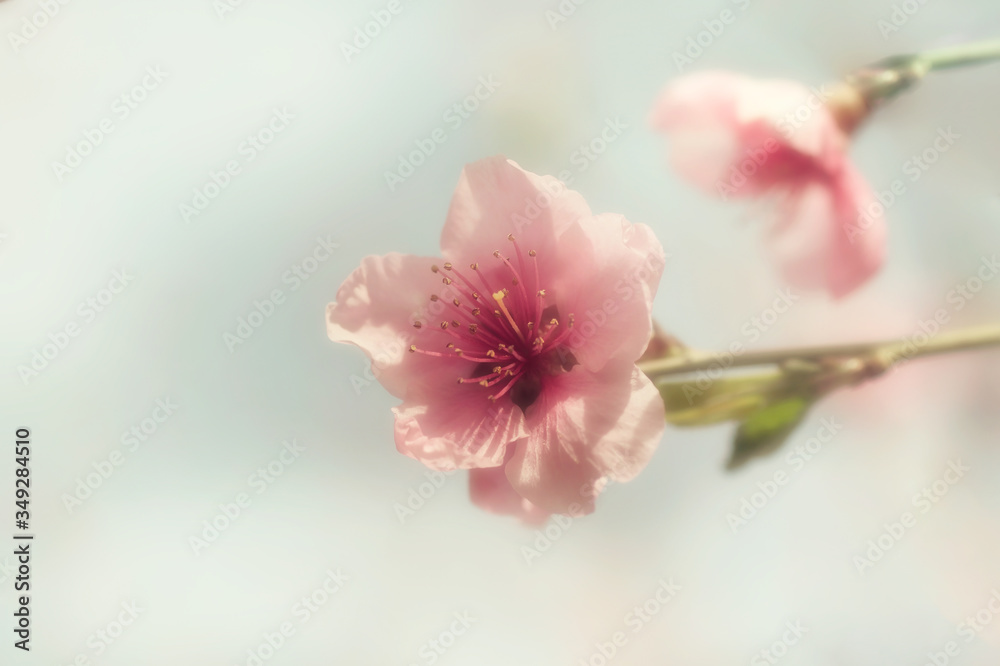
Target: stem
[
  {"x": 960, "y": 56},
  {"x": 884, "y": 80},
  {"x": 887, "y": 352}
]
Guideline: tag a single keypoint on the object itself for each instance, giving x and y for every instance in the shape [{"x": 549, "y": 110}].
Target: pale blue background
[{"x": 333, "y": 507}]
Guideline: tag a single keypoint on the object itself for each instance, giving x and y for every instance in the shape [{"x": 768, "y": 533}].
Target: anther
[
  {"x": 490, "y": 352},
  {"x": 456, "y": 302},
  {"x": 532, "y": 253},
  {"x": 541, "y": 292},
  {"x": 496, "y": 253},
  {"x": 510, "y": 237},
  {"x": 435, "y": 298},
  {"x": 444, "y": 324},
  {"x": 448, "y": 266},
  {"x": 413, "y": 348},
  {"x": 474, "y": 266},
  {"x": 417, "y": 324},
  {"x": 434, "y": 269},
  {"x": 446, "y": 280}
]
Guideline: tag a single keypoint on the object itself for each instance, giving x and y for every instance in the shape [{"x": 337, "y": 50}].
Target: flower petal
[
  {"x": 375, "y": 310},
  {"x": 585, "y": 427},
  {"x": 489, "y": 489},
  {"x": 825, "y": 236},
  {"x": 611, "y": 270},
  {"x": 456, "y": 427},
  {"x": 860, "y": 234},
  {"x": 735, "y": 134},
  {"x": 494, "y": 198}
]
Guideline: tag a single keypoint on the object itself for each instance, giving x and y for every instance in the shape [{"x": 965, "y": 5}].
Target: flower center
[{"x": 511, "y": 338}]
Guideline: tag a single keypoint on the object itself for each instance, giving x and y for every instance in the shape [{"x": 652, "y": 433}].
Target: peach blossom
[
  {"x": 736, "y": 136},
  {"x": 517, "y": 347}
]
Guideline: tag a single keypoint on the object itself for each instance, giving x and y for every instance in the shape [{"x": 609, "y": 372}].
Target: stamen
[
  {"x": 417, "y": 324},
  {"x": 498, "y": 297},
  {"x": 506, "y": 388}
]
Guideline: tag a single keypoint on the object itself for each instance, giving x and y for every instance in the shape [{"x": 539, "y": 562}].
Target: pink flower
[
  {"x": 737, "y": 136},
  {"x": 516, "y": 348}
]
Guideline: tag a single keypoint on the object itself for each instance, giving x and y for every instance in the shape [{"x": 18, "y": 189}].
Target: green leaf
[
  {"x": 765, "y": 430},
  {"x": 724, "y": 399}
]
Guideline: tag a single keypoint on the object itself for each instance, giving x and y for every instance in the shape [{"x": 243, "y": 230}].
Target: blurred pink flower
[
  {"x": 737, "y": 136},
  {"x": 518, "y": 347}
]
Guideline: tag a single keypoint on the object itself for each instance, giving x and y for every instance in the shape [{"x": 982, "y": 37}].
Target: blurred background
[{"x": 167, "y": 167}]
